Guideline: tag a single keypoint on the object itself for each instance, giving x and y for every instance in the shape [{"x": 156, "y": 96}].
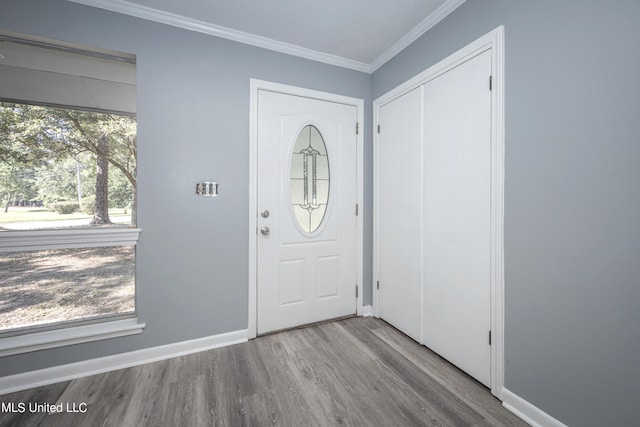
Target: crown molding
[
  {"x": 429, "y": 22},
  {"x": 155, "y": 15},
  {"x": 179, "y": 21}
]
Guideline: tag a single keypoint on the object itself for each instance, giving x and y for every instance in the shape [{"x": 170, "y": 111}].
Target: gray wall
[
  {"x": 572, "y": 203},
  {"x": 193, "y": 125}
]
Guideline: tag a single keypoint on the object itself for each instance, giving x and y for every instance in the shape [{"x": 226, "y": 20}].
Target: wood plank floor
[{"x": 354, "y": 372}]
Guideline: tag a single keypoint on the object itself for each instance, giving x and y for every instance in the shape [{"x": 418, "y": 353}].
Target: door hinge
[
  {"x": 489, "y": 337},
  {"x": 378, "y": 128},
  {"x": 378, "y": 285},
  {"x": 357, "y": 209},
  {"x": 490, "y": 82},
  {"x": 356, "y": 290},
  {"x": 357, "y": 128}
]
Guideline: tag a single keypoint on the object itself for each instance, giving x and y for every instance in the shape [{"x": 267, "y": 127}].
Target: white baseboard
[
  {"x": 528, "y": 412},
  {"x": 367, "y": 311},
  {"x": 55, "y": 374}
]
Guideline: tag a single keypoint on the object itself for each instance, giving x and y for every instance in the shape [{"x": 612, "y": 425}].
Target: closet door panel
[
  {"x": 457, "y": 196},
  {"x": 399, "y": 203}
]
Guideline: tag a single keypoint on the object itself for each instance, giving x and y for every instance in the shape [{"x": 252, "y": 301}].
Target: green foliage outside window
[{"x": 55, "y": 157}]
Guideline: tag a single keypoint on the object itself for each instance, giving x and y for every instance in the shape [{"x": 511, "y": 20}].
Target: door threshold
[{"x": 308, "y": 325}]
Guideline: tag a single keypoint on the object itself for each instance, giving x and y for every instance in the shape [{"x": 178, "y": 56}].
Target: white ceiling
[{"x": 357, "y": 34}]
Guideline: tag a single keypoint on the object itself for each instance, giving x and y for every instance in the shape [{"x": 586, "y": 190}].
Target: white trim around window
[
  {"x": 68, "y": 336},
  {"x": 17, "y": 241}
]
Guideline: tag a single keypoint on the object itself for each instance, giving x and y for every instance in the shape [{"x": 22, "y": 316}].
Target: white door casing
[{"x": 301, "y": 277}]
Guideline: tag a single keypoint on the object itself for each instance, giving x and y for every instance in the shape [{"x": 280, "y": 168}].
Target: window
[
  {"x": 67, "y": 187},
  {"x": 309, "y": 176},
  {"x": 61, "y": 167},
  {"x": 53, "y": 286}
]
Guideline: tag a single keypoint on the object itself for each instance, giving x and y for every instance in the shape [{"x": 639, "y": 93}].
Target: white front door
[{"x": 306, "y": 210}]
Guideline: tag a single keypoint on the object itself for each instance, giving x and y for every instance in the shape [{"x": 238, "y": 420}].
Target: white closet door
[
  {"x": 399, "y": 202},
  {"x": 457, "y": 239}
]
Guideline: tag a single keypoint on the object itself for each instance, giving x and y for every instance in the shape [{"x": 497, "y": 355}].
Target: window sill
[
  {"x": 14, "y": 241},
  {"x": 74, "y": 335}
]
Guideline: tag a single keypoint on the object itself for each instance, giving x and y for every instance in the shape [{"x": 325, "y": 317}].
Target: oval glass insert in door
[{"x": 309, "y": 179}]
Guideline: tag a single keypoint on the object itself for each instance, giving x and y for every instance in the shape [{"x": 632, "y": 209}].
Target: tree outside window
[
  {"x": 65, "y": 169},
  {"x": 66, "y": 160}
]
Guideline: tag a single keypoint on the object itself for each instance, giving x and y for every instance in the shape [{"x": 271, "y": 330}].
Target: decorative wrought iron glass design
[{"x": 309, "y": 179}]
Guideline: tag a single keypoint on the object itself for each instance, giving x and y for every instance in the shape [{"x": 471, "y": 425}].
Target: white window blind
[{"x": 34, "y": 71}]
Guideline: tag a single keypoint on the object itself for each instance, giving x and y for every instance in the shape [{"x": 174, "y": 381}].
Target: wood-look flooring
[{"x": 354, "y": 372}]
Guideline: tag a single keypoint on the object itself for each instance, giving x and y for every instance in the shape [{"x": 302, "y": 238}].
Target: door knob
[
  {"x": 265, "y": 231},
  {"x": 264, "y": 214}
]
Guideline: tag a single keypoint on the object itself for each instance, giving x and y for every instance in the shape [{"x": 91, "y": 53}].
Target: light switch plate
[{"x": 207, "y": 188}]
